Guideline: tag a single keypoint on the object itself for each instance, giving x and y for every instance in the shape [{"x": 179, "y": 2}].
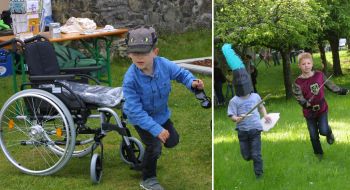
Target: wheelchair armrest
[
  {"x": 82, "y": 72},
  {"x": 88, "y": 77},
  {"x": 51, "y": 77},
  {"x": 80, "y": 69}
]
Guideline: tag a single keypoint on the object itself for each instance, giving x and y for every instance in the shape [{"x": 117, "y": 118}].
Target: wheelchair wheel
[
  {"x": 96, "y": 169},
  {"x": 31, "y": 122},
  {"x": 137, "y": 149}
]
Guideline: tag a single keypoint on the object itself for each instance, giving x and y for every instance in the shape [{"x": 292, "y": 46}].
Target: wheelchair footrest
[
  {"x": 110, "y": 127},
  {"x": 64, "y": 142},
  {"x": 60, "y": 142},
  {"x": 86, "y": 130}
]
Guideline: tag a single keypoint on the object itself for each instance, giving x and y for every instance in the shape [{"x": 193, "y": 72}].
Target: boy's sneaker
[
  {"x": 259, "y": 176},
  {"x": 151, "y": 184},
  {"x": 319, "y": 156},
  {"x": 330, "y": 139}
]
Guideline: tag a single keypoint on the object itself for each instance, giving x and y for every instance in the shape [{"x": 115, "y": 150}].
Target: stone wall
[{"x": 165, "y": 15}]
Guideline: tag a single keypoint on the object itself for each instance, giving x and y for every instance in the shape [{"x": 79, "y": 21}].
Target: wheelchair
[{"x": 45, "y": 124}]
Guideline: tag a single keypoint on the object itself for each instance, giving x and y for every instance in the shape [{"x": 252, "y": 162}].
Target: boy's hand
[
  {"x": 198, "y": 84},
  {"x": 237, "y": 119},
  {"x": 308, "y": 104},
  {"x": 267, "y": 119},
  {"x": 344, "y": 91},
  {"x": 163, "y": 136}
]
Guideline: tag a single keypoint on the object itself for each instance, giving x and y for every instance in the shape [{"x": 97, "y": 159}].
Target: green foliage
[
  {"x": 278, "y": 24},
  {"x": 338, "y": 17}
]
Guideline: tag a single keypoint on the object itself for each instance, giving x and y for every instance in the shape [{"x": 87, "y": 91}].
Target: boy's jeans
[
  {"x": 318, "y": 125},
  {"x": 250, "y": 143},
  {"x": 154, "y": 148}
]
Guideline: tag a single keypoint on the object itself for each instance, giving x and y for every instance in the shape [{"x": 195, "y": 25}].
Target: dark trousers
[
  {"x": 318, "y": 126},
  {"x": 250, "y": 144},
  {"x": 154, "y": 148},
  {"x": 275, "y": 59},
  {"x": 218, "y": 92},
  {"x": 292, "y": 57}
]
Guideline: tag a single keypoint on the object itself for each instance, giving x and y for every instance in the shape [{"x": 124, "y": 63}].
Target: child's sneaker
[
  {"x": 319, "y": 156},
  {"x": 258, "y": 176},
  {"x": 151, "y": 184},
  {"x": 330, "y": 139}
]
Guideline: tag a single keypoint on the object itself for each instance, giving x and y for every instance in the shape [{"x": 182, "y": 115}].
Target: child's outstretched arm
[
  {"x": 334, "y": 88},
  {"x": 179, "y": 74},
  {"x": 263, "y": 112}
]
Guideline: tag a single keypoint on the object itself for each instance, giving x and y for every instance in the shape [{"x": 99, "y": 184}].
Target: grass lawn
[
  {"x": 289, "y": 162},
  {"x": 187, "y": 166}
]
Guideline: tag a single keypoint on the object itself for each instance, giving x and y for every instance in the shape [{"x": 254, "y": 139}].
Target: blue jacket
[{"x": 146, "y": 97}]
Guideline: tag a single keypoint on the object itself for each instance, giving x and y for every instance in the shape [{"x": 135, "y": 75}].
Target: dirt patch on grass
[{"x": 204, "y": 62}]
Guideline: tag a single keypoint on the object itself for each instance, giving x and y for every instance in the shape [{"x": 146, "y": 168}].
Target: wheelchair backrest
[{"x": 41, "y": 58}]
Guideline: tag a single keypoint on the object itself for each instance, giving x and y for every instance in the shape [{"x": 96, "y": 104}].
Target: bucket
[{"x": 5, "y": 63}]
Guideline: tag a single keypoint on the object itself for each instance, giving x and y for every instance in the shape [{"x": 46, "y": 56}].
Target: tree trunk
[
  {"x": 334, "y": 42},
  {"x": 287, "y": 73},
  {"x": 348, "y": 42},
  {"x": 323, "y": 56}
]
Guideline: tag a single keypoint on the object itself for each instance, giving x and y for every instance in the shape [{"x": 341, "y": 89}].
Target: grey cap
[{"x": 141, "y": 40}]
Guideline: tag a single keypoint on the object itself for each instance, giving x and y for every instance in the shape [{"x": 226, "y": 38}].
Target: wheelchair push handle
[
  {"x": 13, "y": 41},
  {"x": 34, "y": 38}
]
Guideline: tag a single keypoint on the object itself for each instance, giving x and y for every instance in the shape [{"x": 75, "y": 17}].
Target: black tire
[
  {"x": 96, "y": 169},
  {"x": 137, "y": 149}
]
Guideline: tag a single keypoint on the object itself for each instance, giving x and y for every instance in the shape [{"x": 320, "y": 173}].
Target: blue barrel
[{"x": 5, "y": 63}]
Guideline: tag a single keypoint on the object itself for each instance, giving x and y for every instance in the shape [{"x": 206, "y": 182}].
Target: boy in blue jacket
[{"x": 146, "y": 88}]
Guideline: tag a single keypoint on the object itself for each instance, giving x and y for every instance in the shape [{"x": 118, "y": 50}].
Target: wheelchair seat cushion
[{"x": 102, "y": 96}]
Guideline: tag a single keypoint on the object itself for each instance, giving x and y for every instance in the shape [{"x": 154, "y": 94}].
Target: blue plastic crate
[{"x": 5, "y": 63}]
